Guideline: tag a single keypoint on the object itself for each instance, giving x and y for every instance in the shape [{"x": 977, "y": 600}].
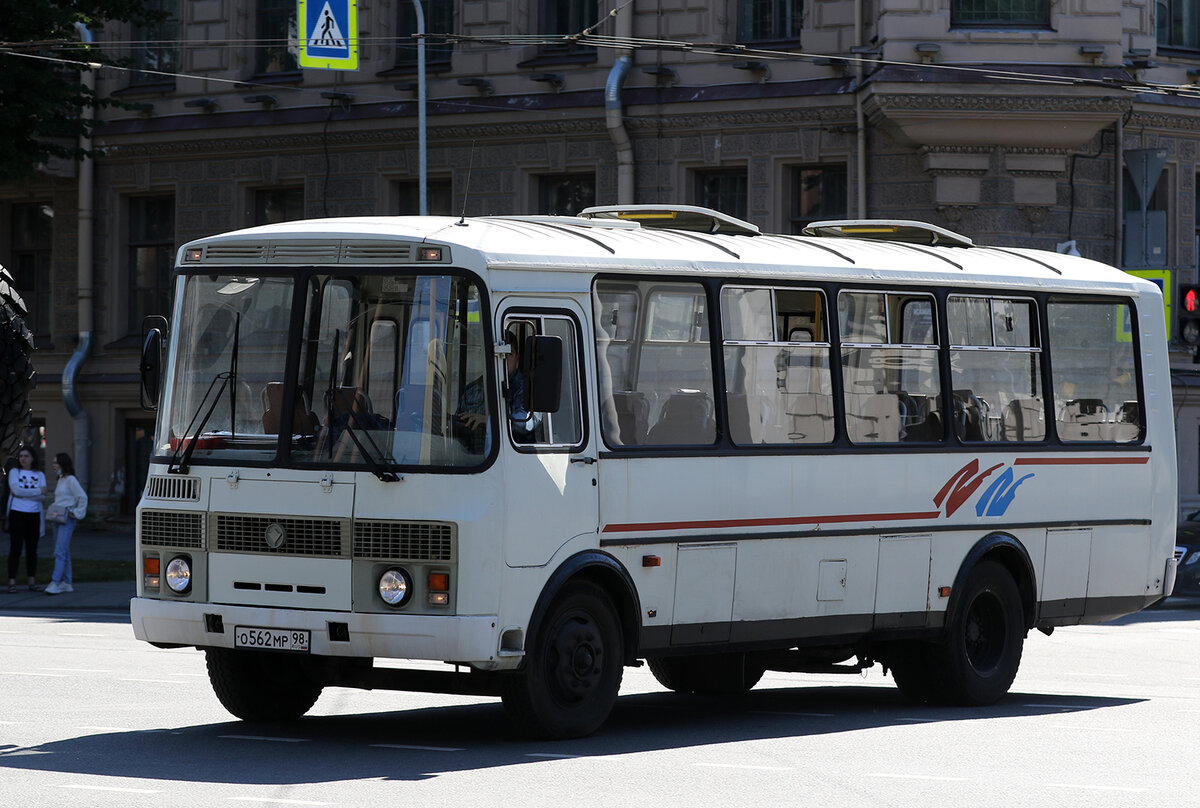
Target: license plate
[{"x": 274, "y": 639}]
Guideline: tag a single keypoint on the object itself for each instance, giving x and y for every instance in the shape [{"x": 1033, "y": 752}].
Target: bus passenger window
[
  {"x": 996, "y": 366},
  {"x": 1095, "y": 372},
  {"x": 654, "y": 363},
  {"x": 890, "y": 367},
  {"x": 776, "y": 366}
]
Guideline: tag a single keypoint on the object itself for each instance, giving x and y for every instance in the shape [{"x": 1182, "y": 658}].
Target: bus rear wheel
[
  {"x": 573, "y": 670},
  {"x": 709, "y": 673},
  {"x": 978, "y": 660},
  {"x": 261, "y": 686}
]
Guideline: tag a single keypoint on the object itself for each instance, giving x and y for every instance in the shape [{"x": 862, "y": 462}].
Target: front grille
[
  {"x": 371, "y": 253},
  {"x": 234, "y": 253},
  {"x": 171, "y": 529},
  {"x": 304, "y": 537},
  {"x": 183, "y": 488},
  {"x": 410, "y": 541}
]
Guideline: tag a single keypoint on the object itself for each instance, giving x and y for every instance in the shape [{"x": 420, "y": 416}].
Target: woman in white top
[
  {"x": 26, "y": 487},
  {"x": 71, "y": 498}
]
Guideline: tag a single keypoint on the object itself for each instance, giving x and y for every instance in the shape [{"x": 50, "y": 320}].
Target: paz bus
[{"x": 541, "y": 449}]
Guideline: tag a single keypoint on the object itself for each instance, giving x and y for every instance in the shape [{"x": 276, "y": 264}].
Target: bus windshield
[{"x": 391, "y": 372}]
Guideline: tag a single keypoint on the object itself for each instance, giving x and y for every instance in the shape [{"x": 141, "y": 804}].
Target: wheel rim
[
  {"x": 984, "y": 633},
  {"x": 577, "y": 658}
]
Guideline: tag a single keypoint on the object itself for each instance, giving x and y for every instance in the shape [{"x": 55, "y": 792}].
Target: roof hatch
[
  {"x": 674, "y": 217},
  {"x": 903, "y": 230}
]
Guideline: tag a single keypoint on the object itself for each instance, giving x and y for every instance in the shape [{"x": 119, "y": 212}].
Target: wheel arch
[
  {"x": 610, "y": 575},
  {"x": 1010, "y": 553}
]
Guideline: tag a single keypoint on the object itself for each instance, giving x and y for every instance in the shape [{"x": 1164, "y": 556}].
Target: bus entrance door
[{"x": 548, "y": 458}]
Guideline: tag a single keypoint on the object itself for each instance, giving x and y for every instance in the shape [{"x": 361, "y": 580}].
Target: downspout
[
  {"x": 613, "y": 116},
  {"x": 70, "y": 376},
  {"x": 860, "y": 117}
]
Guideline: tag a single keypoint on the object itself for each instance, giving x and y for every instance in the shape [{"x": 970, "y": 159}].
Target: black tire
[
  {"x": 708, "y": 673},
  {"x": 976, "y": 663},
  {"x": 261, "y": 686},
  {"x": 573, "y": 668},
  {"x": 17, "y": 377}
]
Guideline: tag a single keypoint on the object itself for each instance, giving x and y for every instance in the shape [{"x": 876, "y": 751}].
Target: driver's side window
[{"x": 527, "y": 425}]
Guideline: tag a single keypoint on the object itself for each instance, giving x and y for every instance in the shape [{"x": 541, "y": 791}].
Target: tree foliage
[{"x": 41, "y": 101}]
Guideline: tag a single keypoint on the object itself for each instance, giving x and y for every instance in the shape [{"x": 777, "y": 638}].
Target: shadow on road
[{"x": 466, "y": 738}]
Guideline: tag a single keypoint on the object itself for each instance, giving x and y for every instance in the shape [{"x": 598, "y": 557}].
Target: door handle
[{"x": 587, "y": 461}]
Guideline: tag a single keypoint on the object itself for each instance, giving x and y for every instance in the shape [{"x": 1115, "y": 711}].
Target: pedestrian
[
  {"x": 69, "y": 506},
  {"x": 26, "y": 488}
]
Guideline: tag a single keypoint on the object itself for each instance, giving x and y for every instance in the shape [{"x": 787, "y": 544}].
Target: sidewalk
[{"x": 112, "y": 542}]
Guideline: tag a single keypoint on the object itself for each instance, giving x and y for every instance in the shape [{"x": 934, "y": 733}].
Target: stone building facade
[{"x": 1033, "y": 122}]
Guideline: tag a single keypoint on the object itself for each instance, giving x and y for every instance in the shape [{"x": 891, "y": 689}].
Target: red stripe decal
[
  {"x": 776, "y": 522},
  {"x": 1080, "y": 461}
]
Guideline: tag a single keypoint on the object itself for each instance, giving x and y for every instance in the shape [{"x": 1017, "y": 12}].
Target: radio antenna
[{"x": 462, "y": 220}]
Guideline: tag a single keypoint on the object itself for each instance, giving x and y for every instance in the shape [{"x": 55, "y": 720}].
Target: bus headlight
[
  {"x": 395, "y": 587},
  {"x": 179, "y": 575}
]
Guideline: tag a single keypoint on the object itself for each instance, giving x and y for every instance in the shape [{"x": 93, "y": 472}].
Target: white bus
[{"x": 542, "y": 449}]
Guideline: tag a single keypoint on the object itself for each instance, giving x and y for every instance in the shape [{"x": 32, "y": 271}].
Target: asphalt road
[{"x": 1099, "y": 716}]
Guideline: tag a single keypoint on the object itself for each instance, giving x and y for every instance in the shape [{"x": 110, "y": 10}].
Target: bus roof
[{"x": 891, "y": 252}]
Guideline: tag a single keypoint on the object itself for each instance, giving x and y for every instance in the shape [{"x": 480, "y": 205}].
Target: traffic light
[{"x": 1189, "y": 314}]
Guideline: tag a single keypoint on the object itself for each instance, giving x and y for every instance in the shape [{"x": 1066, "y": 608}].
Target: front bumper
[{"x": 471, "y": 640}]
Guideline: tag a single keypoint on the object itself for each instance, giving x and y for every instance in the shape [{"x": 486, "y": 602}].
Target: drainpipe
[
  {"x": 84, "y": 273},
  {"x": 613, "y": 117}
]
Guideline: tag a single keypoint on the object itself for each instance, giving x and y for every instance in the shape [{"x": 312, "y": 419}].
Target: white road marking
[
  {"x": 552, "y": 755},
  {"x": 263, "y": 738},
  {"x": 77, "y": 670},
  {"x": 280, "y": 801},
  {"x": 1093, "y": 787},
  {"x": 90, "y": 728},
  {"x": 417, "y": 748},
  {"x": 113, "y": 788},
  {"x": 33, "y": 673}
]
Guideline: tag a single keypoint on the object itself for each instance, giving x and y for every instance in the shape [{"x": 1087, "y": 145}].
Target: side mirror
[
  {"x": 150, "y": 369},
  {"x": 542, "y": 360}
]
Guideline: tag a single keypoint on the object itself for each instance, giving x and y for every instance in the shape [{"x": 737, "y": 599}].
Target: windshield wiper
[{"x": 227, "y": 378}]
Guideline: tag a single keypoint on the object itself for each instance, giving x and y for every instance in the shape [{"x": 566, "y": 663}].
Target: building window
[
  {"x": 151, "y": 254},
  {"x": 817, "y": 193},
  {"x": 273, "y": 205},
  {"x": 993, "y": 13},
  {"x": 156, "y": 44},
  {"x": 566, "y": 194},
  {"x": 769, "y": 20},
  {"x": 439, "y": 198},
  {"x": 276, "y": 40},
  {"x": 439, "y": 19},
  {"x": 724, "y": 190},
  {"x": 566, "y": 17},
  {"x": 32, "y": 246},
  {"x": 1178, "y": 23}
]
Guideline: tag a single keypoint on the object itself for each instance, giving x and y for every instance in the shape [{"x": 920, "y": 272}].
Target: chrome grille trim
[
  {"x": 407, "y": 541},
  {"x": 171, "y": 529},
  {"x": 306, "y": 536},
  {"x": 181, "y": 488}
]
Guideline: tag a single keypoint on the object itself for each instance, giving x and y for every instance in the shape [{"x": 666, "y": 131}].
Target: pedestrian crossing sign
[{"x": 328, "y": 34}]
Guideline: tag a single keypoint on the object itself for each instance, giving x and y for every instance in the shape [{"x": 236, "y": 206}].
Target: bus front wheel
[
  {"x": 978, "y": 660},
  {"x": 573, "y": 670},
  {"x": 261, "y": 686}
]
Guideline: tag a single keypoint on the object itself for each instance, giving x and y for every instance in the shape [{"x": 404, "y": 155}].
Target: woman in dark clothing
[{"x": 26, "y": 488}]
